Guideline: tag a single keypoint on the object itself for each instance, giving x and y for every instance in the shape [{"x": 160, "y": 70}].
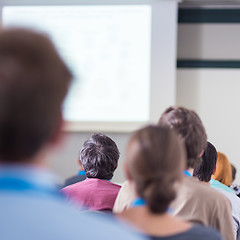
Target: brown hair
[
  {"x": 155, "y": 160},
  {"x": 33, "y": 83},
  {"x": 189, "y": 127},
  {"x": 223, "y": 170}
]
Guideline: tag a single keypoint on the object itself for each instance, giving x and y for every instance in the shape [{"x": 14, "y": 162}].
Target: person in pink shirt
[{"x": 99, "y": 157}]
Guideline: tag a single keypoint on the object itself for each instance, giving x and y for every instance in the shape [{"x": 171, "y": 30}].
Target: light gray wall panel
[{"x": 209, "y": 41}]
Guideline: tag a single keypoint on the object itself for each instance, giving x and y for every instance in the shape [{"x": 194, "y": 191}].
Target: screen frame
[{"x": 163, "y": 62}]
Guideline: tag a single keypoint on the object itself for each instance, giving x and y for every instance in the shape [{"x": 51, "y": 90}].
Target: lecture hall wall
[{"x": 213, "y": 93}]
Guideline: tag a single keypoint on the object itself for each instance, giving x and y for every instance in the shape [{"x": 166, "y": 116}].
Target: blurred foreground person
[
  {"x": 155, "y": 161},
  {"x": 204, "y": 173},
  {"x": 194, "y": 202},
  {"x": 99, "y": 157},
  {"x": 33, "y": 83}
]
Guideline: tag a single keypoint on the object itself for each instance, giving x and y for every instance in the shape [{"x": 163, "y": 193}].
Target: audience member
[
  {"x": 99, "y": 157},
  {"x": 155, "y": 161},
  {"x": 204, "y": 173},
  {"x": 195, "y": 202},
  {"x": 33, "y": 83},
  {"x": 235, "y": 187},
  {"x": 78, "y": 177},
  {"x": 234, "y": 171},
  {"x": 223, "y": 170}
]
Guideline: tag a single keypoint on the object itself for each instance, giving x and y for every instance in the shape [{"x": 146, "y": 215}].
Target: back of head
[
  {"x": 155, "y": 161},
  {"x": 205, "y": 171},
  {"x": 33, "y": 83},
  {"x": 189, "y": 127},
  {"x": 223, "y": 172},
  {"x": 234, "y": 171},
  {"x": 99, "y": 156}
]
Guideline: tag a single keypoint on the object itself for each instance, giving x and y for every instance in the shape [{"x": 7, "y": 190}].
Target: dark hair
[
  {"x": 234, "y": 170},
  {"x": 155, "y": 161},
  {"x": 99, "y": 156},
  {"x": 189, "y": 127},
  {"x": 33, "y": 83},
  {"x": 204, "y": 172}
]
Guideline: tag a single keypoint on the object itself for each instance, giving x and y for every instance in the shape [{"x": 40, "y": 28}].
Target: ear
[
  {"x": 200, "y": 155},
  {"x": 80, "y": 164},
  {"x": 214, "y": 171}
]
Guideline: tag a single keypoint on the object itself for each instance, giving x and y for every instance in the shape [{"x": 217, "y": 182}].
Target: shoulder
[
  {"x": 206, "y": 204},
  {"x": 202, "y": 232},
  {"x": 197, "y": 232},
  {"x": 57, "y": 220},
  {"x": 105, "y": 185},
  {"x": 114, "y": 185},
  {"x": 218, "y": 185},
  {"x": 231, "y": 196},
  {"x": 127, "y": 189},
  {"x": 73, "y": 186},
  {"x": 114, "y": 228},
  {"x": 200, "y": 190},
  {"x": 125, "y": 197},
  {"x": 235, "y": 203},
  {"x": 74, "y": 179}
]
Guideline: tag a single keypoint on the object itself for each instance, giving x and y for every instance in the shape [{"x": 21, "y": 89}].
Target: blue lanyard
[
  {"x": 19, "y": 185},
  {"x": 82, "y": 173},
  {"x": 187, "y": 173},
  {"x": 138, "y": 202}
]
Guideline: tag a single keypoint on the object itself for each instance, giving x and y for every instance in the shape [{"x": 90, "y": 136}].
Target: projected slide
[{"x": 108, "y": 50}]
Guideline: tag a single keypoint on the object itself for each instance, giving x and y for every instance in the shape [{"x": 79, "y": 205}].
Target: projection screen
[{"x": 122, "y": 56}]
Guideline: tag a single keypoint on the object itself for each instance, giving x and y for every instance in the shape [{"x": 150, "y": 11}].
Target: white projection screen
[{"x": 122, "y": 56}]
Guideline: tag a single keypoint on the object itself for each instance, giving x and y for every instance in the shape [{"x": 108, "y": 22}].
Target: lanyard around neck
[
  {"x": 187, "y": 173},
  {"x": 20, "y": 185},
  {"x": 138, "y": 202},
  {"x": 81, "y": 173}
]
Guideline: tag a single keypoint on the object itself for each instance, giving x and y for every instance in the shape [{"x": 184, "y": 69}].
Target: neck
[
  {"x": 154, "y": 224},
  {"x": 190, "y": 170},
  {"x": 207, "y": 183}
]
